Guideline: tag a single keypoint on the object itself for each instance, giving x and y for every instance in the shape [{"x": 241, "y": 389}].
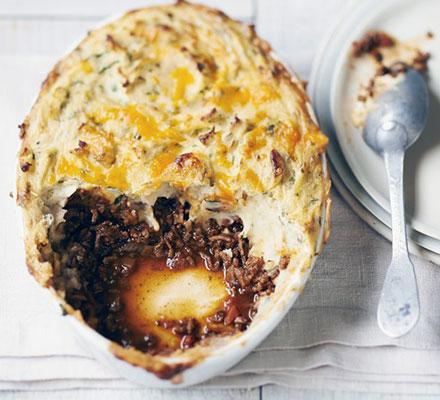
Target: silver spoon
[{"x": 390, "y": 128}]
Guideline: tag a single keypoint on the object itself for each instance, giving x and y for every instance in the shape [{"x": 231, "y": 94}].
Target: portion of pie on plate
[
  {"x": 389, "y": 58},
  {"x": 171, "y": 179}
]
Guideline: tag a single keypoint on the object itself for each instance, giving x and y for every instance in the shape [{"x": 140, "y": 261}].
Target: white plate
[
  {"x": 404, "y": 19},
  {"x": 359, "y": 169}
]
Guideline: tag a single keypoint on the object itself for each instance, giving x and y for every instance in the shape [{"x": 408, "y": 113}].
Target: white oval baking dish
[{"x": 222, "y": 358}]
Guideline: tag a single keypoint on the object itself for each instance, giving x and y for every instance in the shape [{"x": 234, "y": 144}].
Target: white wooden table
[{"x": 49, "y": 27}]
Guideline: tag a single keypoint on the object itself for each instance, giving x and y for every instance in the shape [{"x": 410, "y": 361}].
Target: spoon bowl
[{"x": 405, "y": 104}]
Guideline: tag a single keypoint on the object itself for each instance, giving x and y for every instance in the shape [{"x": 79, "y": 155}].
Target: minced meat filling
[
  {"x": 103, "y": 241},
  {"x": 372, "y": 43}
]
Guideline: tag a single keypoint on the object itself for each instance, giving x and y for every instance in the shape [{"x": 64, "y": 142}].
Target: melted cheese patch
[
  {"x": 160, "y": 164},
  {"x": 183, "y": 79},
  {"x": 253, "y": 179},
  {"x": 86, "y": 171},
  {"x": 141, "y": 123},
  {"x": 317, "y": 138},
  {"x": 224, "y": 183},
  {"x": 288, "y": 136},
  {"x": 232, "y": 96},
  {"x": 86, "y": 67},
  {"x": 256, "y": 140}
]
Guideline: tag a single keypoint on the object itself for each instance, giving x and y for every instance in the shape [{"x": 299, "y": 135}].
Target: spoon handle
[{"x": 398, "y": 309}]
